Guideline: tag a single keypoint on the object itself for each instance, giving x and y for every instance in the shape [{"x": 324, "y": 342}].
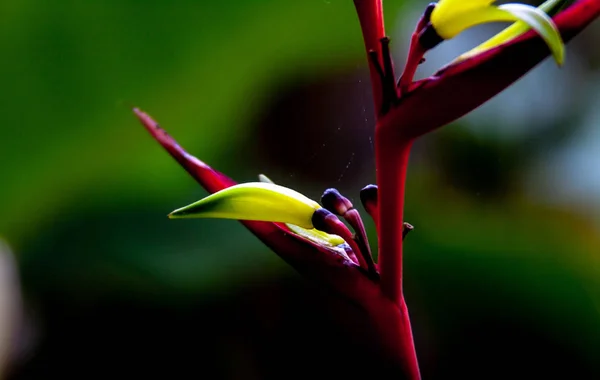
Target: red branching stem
[
  {"x": 432, "y": 103},
  {"x": 391, "y": 162},
  {"x": 370, "y": 15},
  {"x": 416, "y": 53},
  {"x": 413, "y": 60}
]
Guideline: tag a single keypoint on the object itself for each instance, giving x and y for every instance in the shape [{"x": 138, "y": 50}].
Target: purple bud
[{"x": 335, "y": 202}]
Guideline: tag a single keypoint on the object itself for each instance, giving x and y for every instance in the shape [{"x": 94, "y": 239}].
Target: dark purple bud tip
[
  {"x": 428, "y": 11},
  {"x": 368, "y": 196},
  {"x": 323, "y": 219},
  {"x": 429, "y": 37},
  {"x": 425, "y": 18},
  {"x": 335, "y": 202}
]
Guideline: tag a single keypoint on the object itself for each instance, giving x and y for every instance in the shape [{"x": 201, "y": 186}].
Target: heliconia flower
[
  {"x": 451, "y": 17},
  {"x": 311, "y": 238},
  {"x": 311, "y": 251}
]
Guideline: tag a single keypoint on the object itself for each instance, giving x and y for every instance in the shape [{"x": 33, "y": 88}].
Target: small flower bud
[
  {"x": 368, "y": 197},
  {"x": 323, "y": 220},
  {"x": 335, "y": 202}
]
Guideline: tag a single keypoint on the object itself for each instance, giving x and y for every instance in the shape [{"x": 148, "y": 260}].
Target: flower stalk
[
  {"x": 311, "y": 238},
  {"x": 370, "y": 17},
  {"x": 416, "y": 108},
  {"x": 392, "y": 165}
]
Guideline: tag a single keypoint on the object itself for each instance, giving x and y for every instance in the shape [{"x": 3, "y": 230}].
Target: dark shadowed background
[{"x": 502, "y": 273}]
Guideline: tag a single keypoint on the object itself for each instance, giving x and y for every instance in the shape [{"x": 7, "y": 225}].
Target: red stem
[
  {"x": 370, "y": 15},
  {"x": 392, "y": 156},
  {"x": 411, "y": 363},
  {"x": 415, "y": 53},
  {"x": 413, "y": 60},
  {"x": 391, "y": 161}
]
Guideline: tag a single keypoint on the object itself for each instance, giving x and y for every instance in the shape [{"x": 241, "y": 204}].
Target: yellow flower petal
[
  {"x": 513, "y": 31},
  {"x": 470, "y": 18},
  {"x": 542, "y": 24},
  {"x": 312, "y": 234},
  {"x": 317, "y": 236},
  {"x": 450, "y": 17},
  {"x": 254, "y": 201}
]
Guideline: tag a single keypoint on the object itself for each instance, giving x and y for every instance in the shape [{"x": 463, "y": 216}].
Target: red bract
[
  {"x": 312, "y": 260},
  {"x": 405, "y": 111}
]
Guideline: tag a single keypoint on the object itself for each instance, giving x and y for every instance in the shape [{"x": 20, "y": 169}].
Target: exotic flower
[
  {"x": 311, "y": 238},
  {"x": 286, "y": 220}
]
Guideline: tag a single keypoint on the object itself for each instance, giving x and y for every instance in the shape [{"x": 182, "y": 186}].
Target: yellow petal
[
  {"x": 254, "y": 201},
  {"x": 447, "y": 9},
  {"x": 312, "y": 234},
  {"x": 319, "y": 237},
  {"x": 450, "y": 23},
  {"x": 513, "y": 31},
  {"x": 447, "y": 16},
  {"x": 542, "y": 24},
  {"x": 452, "y": 26}
]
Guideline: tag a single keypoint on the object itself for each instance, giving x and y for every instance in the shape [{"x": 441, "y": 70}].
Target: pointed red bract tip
[{"x": 212, "y": 180}]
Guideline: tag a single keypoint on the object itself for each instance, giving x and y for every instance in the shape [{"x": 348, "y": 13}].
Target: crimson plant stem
[
  {"x": 370, "y": 16},
  {"x": 392, "y": 163}
]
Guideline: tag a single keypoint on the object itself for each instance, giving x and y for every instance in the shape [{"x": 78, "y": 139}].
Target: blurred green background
[{"x": 502, "y": 271}]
